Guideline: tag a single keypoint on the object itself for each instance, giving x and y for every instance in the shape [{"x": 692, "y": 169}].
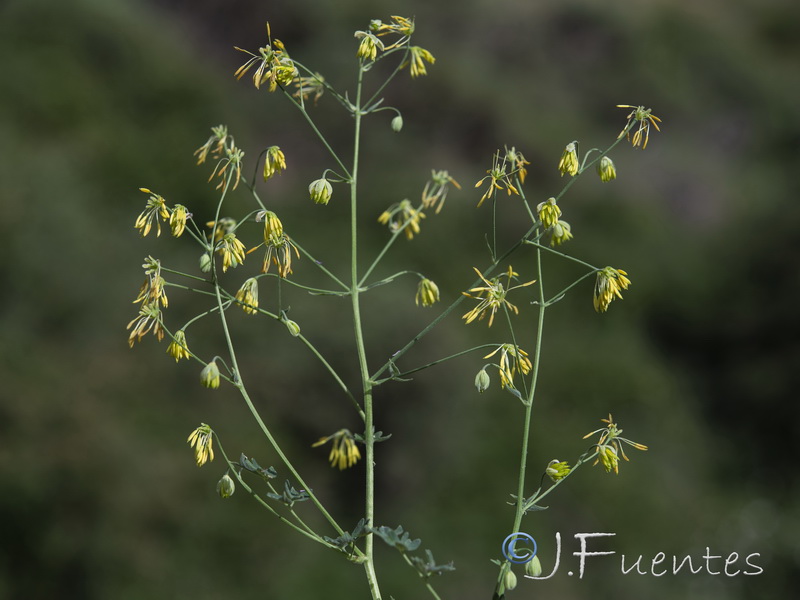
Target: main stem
[
  {"x": 523, "y": 461},
  {"x": 369, "y": 431}
]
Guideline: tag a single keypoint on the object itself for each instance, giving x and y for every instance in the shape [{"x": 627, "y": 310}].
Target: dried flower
[
  {"x": 215, "y": 144},
  {"x": 645, "y": 118},
  {"x": 149, "y": 319},
  {"x": 436, "y": 189}
]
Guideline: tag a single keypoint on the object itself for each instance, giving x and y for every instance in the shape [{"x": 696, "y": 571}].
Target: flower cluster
[
  {"x": 435, "y": 191},
  {"x": 247, "y": 296},
  {"x": 221, "y": 147},
  {"x": 492, "y": 296},
  {"x": 201, "y": 440},
  {"x": 402, "y": 216},
  {"x": 569, "y": 160},
  {"x": 608, "y": 286},
  {"x": 274, "y": 65},
  {"x": 609, "y": 446},
  {"x": 177, "y": 348},
  {"x": 344, "y": 451},
  {"x": 557, "y": 469},
  {"x": 645, "y": 119},
  {"x": 511, "y": 359},
  {"x": 427, "y": 292},
  {"x": 498, "y": 178}
]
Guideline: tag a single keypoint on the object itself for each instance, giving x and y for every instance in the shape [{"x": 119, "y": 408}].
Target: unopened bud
[
  {"x": 510, "y": 580},
  {"x": 533, "y": 568},
  {"x": 397, "y": 123},
  {"x": 482, "y": 380},
  {"x": 225, "y": 486}
]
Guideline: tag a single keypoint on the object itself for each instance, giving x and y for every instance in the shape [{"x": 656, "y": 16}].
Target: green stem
[
  {"x": 523, "y": 461},
  {"x": 369, "y": 429},
  {"x": 239, "y": 383}
]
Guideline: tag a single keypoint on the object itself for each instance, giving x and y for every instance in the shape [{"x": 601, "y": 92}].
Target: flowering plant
[{"x": 225, "y": 244}]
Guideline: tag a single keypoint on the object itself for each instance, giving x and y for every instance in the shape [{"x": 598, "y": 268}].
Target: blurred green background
[{"x": 99, "y": 496}]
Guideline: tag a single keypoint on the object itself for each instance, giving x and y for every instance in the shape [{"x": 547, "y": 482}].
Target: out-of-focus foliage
[{"x": 100, "y": 497}]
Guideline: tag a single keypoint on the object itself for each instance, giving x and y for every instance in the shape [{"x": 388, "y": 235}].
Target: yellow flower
[
  {"x": 609, "y": 445},
  {"x": 320, "y": 191},
  {"x": 608, "y": 286},
  {"x": 400, "y": 25},
  {"x": 498, "y": 178},
  {"x": 149, "y": 319},
  {"x": 274, "y": 163},
  {"x": 155, "y": 209},
  {"x": 344, "y": 451},
  {"x": 569, "y": 160},
  {"x": 274, "y": 65},
  {"x": 417, "y": 61},
  {"x": 177, "y": 220},
  {"x": 557, "y": 469},
  {"x": 427, "y": 293},
  {"x": 273, "y": 228},
  {"x": 278, "y": 252},
  {"x": 209, "y": 376},
  {"x": 548, "y": 212},
  {"x": 215, "y": 144},
  {"x": 436, "y": 189},
  {"x": 201, "y": 440},
  {"x": 492, "y": 296},
  {"x": 402, "y": 217},
  {"x": 562, "y": 231},
  {"x": 606, "y": 169},
  {"x": 231, "y": 250},
  {"x": 152, "y": 290},
  {"x": 178, "y": 349},
  {"x": 248, "y": 296},
  {"x": 511, "y": 359},
  {"x": 645, "y": 118},
  {"x": 515, "y": 157},
  {"x": 369, "y": 46}
]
